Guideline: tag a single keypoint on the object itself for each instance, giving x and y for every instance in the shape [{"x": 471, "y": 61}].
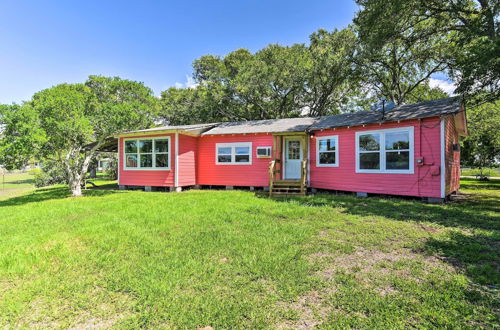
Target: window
[
  {"x": 327, "y": 151},
  {"x": 234, "y": 153},
  {"x": 263, "y": 152},
  {"x": 385, "y": 151},
  {"x": 147, "y": 154}
]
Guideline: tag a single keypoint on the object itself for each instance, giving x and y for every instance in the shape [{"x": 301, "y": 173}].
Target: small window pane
[
  {"x": 242, "y": 150},
  {"x": 327, "y": 157},
  {"x": 131, "y": 146},
  {"x": 242, "y": 158},
  {"x": 327, "y": 145},
  {"x": 224, "y": 158},
  {"x": 369, "y": 161},
  {"x": 161, "y": 145},
  {"x": 146, "y": 160},
  {"x": 293, "y": 150},
  {"x": 145, "y": 146},
  {"x": 161, "y": 160},
  {"x": 399, "y": 160},
  {"x": 131, "y": 161},
  {"x": 397, "y": 140},
  {"x": 369, "y": 142},
  {"x": 224, "y": 151}
]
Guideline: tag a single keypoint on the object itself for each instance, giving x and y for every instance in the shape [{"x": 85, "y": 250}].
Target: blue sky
[{"x": 44, "y": 43}]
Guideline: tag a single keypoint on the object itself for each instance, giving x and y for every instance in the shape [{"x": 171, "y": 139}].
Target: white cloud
[
  {"x": 446, "y": 86},
  {"x": 188, "y": 84}
]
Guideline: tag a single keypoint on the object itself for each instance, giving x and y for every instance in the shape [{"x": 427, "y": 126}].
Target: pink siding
[
  {"x": 424, "y": 182},
  {"x": 154, "y": 178},
  {"x": 452, "y": 158},
  {"x": 209, "y": 173},
  {"x": 188, "y": 147}
]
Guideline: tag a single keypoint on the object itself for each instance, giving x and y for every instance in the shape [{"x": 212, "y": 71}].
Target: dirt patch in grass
[
  {"x": 310, "y": 309},
  {"x": 364, "y": 261}
]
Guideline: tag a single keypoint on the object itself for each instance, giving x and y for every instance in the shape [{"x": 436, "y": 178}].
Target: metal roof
[
  {"x": 263, "y": 126},
  {"x": 174, "y": 128},
  {"x": 424, "y": 109}
]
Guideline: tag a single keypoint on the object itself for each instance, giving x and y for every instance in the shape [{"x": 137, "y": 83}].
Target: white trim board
[{"x": 443, "y": 150}]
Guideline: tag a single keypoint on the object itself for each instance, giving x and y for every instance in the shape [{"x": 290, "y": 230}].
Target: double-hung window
[
  {"x": 327, "y": 151},
  {"x": 385, "y": 151},
  {"x": 147, "y": 154},
  {"x": 233, "y": 153}
]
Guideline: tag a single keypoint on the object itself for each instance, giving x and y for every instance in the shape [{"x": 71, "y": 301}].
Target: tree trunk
[{"x": 76, "y": 185}]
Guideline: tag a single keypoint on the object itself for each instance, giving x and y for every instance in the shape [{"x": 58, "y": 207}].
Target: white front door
[{"x": 293, "y": 158}]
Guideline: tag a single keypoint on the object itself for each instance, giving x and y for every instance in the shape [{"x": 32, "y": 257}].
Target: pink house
[{"x": 410, "y": 150}]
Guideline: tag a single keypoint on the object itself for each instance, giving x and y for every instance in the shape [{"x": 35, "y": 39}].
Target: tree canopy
[{"x": 68, "y": 123}]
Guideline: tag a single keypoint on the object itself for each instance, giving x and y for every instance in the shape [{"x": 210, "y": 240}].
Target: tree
[
  {"x": 334, "y": 80},
  {"x": 481, "y": 149},
  {"x": 468, "y": 28},
  {"x": 424, "y": 92},
  {"x": 72, "y": 121},
  {"x": 394, "y": 61}
]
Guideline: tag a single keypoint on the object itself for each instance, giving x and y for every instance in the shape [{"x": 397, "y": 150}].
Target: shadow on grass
[
  {"x": 53, "y": 193},
  {"x": 473, "y": 248},
  {"x": 16, "y": 182}
]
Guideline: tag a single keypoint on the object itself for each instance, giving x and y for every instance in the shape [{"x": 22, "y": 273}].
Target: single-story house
[{"x": 410, "y": 150}]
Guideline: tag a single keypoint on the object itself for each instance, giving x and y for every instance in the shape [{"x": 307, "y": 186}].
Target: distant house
[{"x": 409, "y": 150}]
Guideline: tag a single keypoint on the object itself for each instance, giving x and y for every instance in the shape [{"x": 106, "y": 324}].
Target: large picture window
[
  {"x": 385, "y": 151},
  {"x": 233, "y": 153},
  {"x": 327, "y": 151},
  {"x": 147, "y": 154}
]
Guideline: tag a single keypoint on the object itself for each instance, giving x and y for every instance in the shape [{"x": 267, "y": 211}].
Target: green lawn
[
  {"x": 14, "y": 184},
  {"x": 233, "y": 259}
]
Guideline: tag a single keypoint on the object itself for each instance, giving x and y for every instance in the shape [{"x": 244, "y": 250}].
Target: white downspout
[
  {"x": 443, "y": 165},
  {"x": 176, "y": 174}
]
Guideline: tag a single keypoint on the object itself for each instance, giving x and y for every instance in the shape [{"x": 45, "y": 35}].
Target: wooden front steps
[{"x": 287, "y": 188}]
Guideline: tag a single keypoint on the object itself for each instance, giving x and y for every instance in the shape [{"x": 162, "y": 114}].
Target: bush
[{"x": 51, "y": 174}]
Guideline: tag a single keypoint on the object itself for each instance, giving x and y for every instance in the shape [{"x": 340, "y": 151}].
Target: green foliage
[
  {"x": 275, "y": 82},
  {"x": 394, "y": 61},
  {"x": 461, "y": 35},
  {"x": 21, "y": 135},
  {"x": 59, "y": 122},
  {"x": 482, "y": 147},
  {"x": 51, "y": 173},
  {"x": 423, "y": 92}
]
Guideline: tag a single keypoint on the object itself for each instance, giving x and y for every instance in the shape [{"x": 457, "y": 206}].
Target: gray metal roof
[
  {"x": 263, "y": 126},
  {"x": 424, "y": 109},
  {"x": 174, "y": 128}
]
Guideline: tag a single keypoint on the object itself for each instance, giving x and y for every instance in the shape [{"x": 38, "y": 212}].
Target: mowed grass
[
  {"x": 234, "y": 259},
  {"x": 14, "y": 184}
]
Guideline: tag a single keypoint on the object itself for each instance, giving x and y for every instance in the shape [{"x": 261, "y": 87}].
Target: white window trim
[
  {"x": 334, "y": 137},
  {"x": 233, "y": 145},
  {"x": 154, "y": 168},
  {"x": 382, "y": 150},
  {"x": 263, "y": 147}
]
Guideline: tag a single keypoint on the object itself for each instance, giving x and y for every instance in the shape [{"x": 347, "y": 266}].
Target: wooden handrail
[
  {"x": 303, "y": 176},
  {"x": 272, "y": 166}
]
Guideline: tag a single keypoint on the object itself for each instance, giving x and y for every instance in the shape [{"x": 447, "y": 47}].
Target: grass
[
  {"x": 489, "y": 172},
  {"x": 233, "y": 259},
  {"x": 14, "y": 184}
]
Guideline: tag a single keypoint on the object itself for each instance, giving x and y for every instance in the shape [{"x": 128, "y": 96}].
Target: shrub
[{"x": 52, "y": 173}]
